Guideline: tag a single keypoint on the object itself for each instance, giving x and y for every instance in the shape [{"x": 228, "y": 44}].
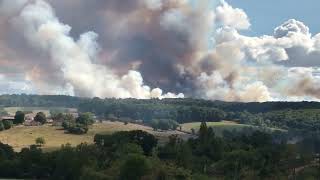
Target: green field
[
  {"x": 219, "y": 127},
  {"x": 12, "y": 110},
  {"x": 22, "y": 136}
]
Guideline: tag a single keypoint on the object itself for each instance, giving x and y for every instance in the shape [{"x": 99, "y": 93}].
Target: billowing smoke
[
  {"x": 143, "y": 48},
  {"x": 45, "y": 32}
]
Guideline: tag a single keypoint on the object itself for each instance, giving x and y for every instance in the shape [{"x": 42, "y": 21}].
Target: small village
[{"x": 29, "y": 117}]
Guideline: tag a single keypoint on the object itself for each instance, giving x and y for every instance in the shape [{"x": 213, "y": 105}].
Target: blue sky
[{"x": 265, "y": 15}]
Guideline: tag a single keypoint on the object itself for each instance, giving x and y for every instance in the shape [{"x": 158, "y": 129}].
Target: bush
[
  {"x": 77, "y": 129},
  {"x": 7, "y": 124},
  {"x": 3, "y": 112},
  {"x": 67, "y": 124},
  {"x": 135, "y": 167},
  {"x": 40, "y": 141},
  {"x": 40, "y": 117},
  {"x": 90, "y": 173},
  {"x": 1, "y": 126},
  {"x": 164, "y": 124},
  {"x": 19, "y": 117},
  {"x": 85, "y": 119}
]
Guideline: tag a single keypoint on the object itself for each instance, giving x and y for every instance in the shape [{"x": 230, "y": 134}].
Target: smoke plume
[{"x": 143, "y": 48}]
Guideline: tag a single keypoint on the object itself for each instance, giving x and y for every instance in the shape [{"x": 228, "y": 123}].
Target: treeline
[
  {"x": 296, "y": 120},
  {"x": 135, "y": 155},
  {"x": 71, "y": 101},
  {"x": 24, "y": 100},
  {"x": 189, "y": 110},
  {"x": 148, "y": 111},
  {"x": 284, "y": 115}
]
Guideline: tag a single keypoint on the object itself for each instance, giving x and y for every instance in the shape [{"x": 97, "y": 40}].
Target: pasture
[
  {"x": 220, "y": 127},
  {"x": 21, "y": 136},
  {"x": 12, "y": 110}
]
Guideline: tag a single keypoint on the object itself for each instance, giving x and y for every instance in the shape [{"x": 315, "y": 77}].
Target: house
[
  {"x": 30, "y": 116},
  {"x": 50, "y": 121},
  {"x": 10, "y": 118},
  {"x": 74, "y": 114},
  {"x": 31, "y": 123}
]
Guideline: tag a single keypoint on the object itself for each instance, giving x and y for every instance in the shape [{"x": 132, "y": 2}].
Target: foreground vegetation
[
  {"x": 261, "y": 141},
  {"x": 135, "y": 155}
]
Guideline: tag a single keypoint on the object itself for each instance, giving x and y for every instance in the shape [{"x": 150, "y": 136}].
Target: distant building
[
  {"x": 49, "y": 121},
  {"x": 74, "y": 114},
  {"x": 30, "y": 116},
  {"x": 31, "y": 123},
  {"x": 10, "y": 118}
]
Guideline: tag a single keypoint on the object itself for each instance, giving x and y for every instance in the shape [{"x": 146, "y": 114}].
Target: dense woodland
[
  {"x": 298, "y": 116},
  {"x": 136, "y": 155}
]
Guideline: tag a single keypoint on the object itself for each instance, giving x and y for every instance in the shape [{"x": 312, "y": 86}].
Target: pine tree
[{"x": 203, "y": 132}]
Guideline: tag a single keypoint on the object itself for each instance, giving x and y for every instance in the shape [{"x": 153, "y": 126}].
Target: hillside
[
  {"x": 220, "y": 127},
  {"x": 22, "y": 136},
  {"x": 297, "y": 116}
]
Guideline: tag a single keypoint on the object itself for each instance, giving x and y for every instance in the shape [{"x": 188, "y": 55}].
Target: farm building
[
  {"x": 31, "y": 123},
  {"x": 30, "y": 116},
  {"x": 11, "y": 118}
]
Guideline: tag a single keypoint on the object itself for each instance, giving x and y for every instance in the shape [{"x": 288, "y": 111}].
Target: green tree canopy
[
  {"x": 19, "y": 117},
  {"x": 40, "y": 141},
  {"x": 7, "y": 124},
  {"x": 134, "y": 167},
  {"x": 85, "y": 119},
  {"x": 40, "y": 117}
]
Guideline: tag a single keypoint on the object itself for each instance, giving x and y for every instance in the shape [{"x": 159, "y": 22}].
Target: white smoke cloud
[
  {"x": 39, "y": 24},
  {"x": 165, "y": 41},
  {"x": 154, "y": 4},
  {"x": 232, "y": 17},
  {"x": 291, "y": 27},
  {"x": 10, "y": 7},
  {"x": 258, "y": 68}
]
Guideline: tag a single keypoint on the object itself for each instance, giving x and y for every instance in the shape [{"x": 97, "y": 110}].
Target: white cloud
[
  {"x": 291, "y": 27},
  {"x": 232, "y": 17},
  {"x": 38, "y": 23},
  {"x": 172, "y": 40}
]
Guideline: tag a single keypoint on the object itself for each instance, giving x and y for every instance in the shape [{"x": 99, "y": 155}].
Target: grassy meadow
[
  {"x": 219, "y": 127},
  {"x": 12, "y": 110},
  {"x": 21, "y": 136}
]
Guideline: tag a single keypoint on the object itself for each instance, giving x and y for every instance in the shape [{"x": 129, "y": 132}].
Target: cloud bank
[{"x": 145, "y": 48}]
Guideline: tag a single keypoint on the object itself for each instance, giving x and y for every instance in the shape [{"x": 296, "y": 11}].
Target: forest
[
  {"x": 295, "y": 116},
  {"x": 136, "y": 155},
  {"x": 289, "y": 152}
]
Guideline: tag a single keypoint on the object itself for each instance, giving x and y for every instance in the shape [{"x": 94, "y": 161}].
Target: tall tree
[
  {"x": 19, "y": 117},
  {"x": 203, "y": 131},
  {"x": 40, "y": 117},
  {"x": 134, "y": 167},
  {"x": 85, "y": 119}
]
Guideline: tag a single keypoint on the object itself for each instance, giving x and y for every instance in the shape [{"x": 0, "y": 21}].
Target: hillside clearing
[
  {"x": 12, "y": 110},
  {"x": 219, "y": 127},
  {"x": 21, "y": 136}
]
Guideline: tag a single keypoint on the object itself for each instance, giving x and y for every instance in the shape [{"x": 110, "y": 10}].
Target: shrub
[
  {"x": 19, "y": 117},
  {"x": 40, "y": 141},
  {"x": 1, "y": 126},
  {"x": 85, "y": 119},
  {"x": 78, "y": 129},
  {"x": 7, "y": 124},
  {"x": 164, "y": 124},
  {"x": 134, "y": 167},
  {"x": 40, "y": 117},
  {"x": 67, "y": 124}
]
